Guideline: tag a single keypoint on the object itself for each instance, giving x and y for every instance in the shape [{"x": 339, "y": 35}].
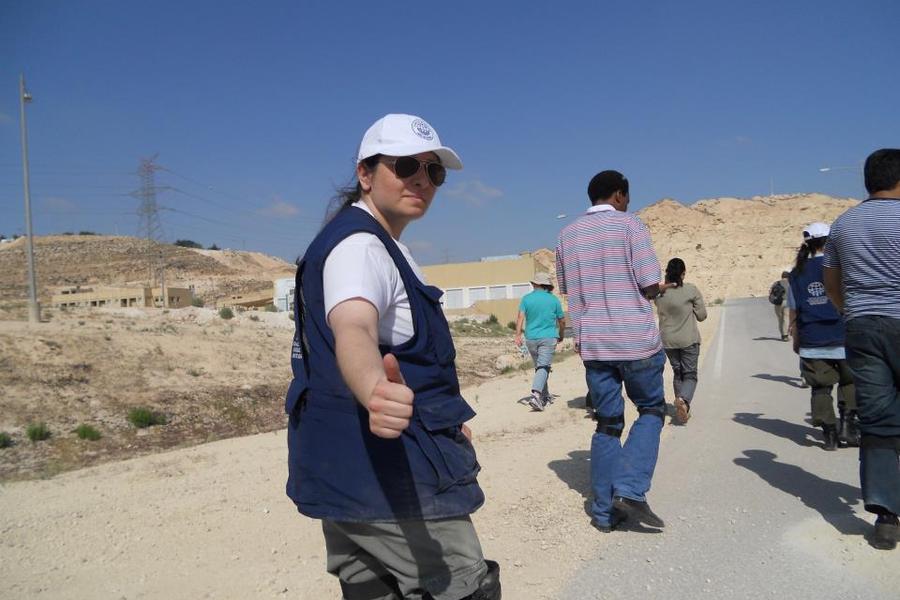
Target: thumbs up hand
[{"x": 390, "y": 405}]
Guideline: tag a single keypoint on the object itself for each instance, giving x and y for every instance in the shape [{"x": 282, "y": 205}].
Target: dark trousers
[
  {"x": 873, "y": 353},
  {"x": 684, "y": 369},
  {"x": 822, "y": 374}
]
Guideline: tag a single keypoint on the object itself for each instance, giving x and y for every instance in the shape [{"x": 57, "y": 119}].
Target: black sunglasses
[{"x": 407, "y": 166}]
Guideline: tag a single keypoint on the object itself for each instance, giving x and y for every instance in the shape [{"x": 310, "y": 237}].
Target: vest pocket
[
  {"x": 441, "y": 440},
  {"x": 295, "y": 393}
]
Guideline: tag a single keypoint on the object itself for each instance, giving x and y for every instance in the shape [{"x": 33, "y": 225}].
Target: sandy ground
[{"x": 212, "y": 521}]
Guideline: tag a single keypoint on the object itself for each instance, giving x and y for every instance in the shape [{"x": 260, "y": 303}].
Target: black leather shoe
[
  {"x": 615, "y": 520},
  {"x": 637, "y": 511},
  {"x": 886, "y": 533},
  {"x": 852, "y": 421}
]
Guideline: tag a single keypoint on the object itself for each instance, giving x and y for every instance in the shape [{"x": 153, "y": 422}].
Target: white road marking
[{"x": 720, "y": 349}]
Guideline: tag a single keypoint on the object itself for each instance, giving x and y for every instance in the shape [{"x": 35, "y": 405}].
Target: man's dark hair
[
  {"x": 882, "y": 170},
  {"x": 605, "y": 184}
]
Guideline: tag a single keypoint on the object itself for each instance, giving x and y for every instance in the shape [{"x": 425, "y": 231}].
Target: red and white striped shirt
[{"x": 603, "y": 259}]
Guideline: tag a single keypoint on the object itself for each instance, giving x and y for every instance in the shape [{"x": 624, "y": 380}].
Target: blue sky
[{"x": 256, "y": 109}]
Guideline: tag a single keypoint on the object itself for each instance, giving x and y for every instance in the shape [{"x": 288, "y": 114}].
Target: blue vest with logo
[
  {"x": 337, "y": 468},
  {"x": 818, "y": 322}
]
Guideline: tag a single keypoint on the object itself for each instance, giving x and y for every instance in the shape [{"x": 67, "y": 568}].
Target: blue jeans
[
  {"x": 616, "y": 469},
  {"x": 873, "y": 353},
  {"x": 542, "y": 350}
]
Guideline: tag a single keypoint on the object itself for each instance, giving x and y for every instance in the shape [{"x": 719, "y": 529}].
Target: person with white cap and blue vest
[
  {"x": 818, "y": 337},
  {"x": 378, "y": 448}
]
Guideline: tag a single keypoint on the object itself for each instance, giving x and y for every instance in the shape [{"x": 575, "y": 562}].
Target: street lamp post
[{"x": 34, "y": 310}]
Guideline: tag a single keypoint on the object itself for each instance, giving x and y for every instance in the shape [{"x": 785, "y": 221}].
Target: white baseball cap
[
  {"x": 816, "y": 230},
  {"x": 405, "y": 135}
]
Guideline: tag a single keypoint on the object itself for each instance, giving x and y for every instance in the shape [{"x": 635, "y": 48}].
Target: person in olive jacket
[{"x": 680, "y": 307}]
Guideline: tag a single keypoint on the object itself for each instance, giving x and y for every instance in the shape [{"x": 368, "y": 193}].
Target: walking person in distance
[{"x": 680, "y": 307}]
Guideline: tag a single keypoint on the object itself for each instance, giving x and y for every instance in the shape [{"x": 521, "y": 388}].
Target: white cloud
[
  {"x": 58, "y": 204},
  {"x": 474, "y": 192},
  {"x": 280, "y": 209},
  {"x": 423, "y": 246}
]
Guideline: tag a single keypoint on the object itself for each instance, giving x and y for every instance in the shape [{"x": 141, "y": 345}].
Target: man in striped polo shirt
[
  {"x": 606, "y": 264},
  {"x": 862, "y": 279}
]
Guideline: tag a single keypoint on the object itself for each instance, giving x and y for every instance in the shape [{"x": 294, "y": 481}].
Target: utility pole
[{"x": 34, "y": 309}]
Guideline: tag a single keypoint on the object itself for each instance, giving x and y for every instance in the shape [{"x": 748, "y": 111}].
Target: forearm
[{"x": 520, "y": 321}]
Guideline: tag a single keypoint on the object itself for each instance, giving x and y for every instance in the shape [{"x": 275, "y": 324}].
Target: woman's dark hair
[
  {"x": 348, "y": 194},
  {"x": 675, "y": 271},
  {"x": 806, "y": 250}
]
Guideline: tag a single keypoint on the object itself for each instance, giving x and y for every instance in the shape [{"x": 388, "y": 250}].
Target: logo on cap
[{"x": 423, "y": 129}]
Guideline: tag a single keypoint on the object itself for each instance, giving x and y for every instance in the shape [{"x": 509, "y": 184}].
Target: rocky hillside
[
  {"x": 113, "y": 260},
  {"x": 733, "y": 248}
]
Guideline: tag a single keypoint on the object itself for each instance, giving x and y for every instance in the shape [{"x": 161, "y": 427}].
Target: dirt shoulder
[{"x": 212, "y": 521}]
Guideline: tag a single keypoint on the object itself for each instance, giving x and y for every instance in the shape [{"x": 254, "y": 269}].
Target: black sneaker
[
  {"x": 886, "y": 532},
  {"x": 616, "y": 518},
  {"x": 637, "y": 511}
]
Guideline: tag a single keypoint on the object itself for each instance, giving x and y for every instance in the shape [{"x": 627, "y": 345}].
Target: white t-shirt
[{"x": 360, "y": 267}]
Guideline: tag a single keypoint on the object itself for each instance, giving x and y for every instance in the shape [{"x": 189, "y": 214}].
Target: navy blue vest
[
  {"x": 338, "y": 469},
  {"x": 818, "y": 322}
]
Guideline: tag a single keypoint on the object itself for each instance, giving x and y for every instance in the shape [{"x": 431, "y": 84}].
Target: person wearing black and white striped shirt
[{"x": 862, "y": 279}]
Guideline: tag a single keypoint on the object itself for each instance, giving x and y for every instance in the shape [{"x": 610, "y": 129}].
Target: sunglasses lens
[
  {"x": 437, "y": 174},
  {"x": 406, "y": 166}
]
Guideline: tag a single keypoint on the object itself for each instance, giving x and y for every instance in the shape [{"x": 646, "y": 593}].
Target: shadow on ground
[
  {"x": 791, "y": 381},
  {"x": 799, "y": 434},
  {"x": 832, "y": 499},
  {"x": 575, "y": 472},
  {"x": 767, "y": 339}
]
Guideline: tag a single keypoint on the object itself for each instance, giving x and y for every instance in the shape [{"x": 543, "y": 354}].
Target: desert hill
[
  {"x": 733, "y": 248},
  {"x": 117, "y": 260}
]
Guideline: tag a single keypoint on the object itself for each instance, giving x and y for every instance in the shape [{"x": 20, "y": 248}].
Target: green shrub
[
  {"x": 5, "y": 440},
  {"x": 226, "y": 313},
  {"x": 270, "y": 308},
  {"x": 144, "y": 417},
  {"x": 492, "y": 320},
  {"x": 198, "y": 302},
  {"x": 254, "y": 317},
  {"x": 511, "y": 325},
  {"x": 195, "y": 372},
  {"x": 718, "y": 301},
  {"x": 86, "y": 432},
  {"x": 37, "y": 432}
]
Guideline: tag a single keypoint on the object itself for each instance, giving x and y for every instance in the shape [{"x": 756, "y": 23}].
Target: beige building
[
  {"x": 121, "y": 297},
  {"x": 492, "y": 285}
]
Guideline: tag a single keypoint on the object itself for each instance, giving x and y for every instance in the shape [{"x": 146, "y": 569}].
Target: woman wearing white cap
[
  {"x": 377, "y": 441},
  {"x": 818, "y": 336}
]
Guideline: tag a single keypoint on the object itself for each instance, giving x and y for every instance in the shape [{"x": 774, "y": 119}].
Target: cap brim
[{"x": 448, "y": 157}]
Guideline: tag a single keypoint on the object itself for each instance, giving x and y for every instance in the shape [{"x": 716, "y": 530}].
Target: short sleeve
[
  {"x": 644, "y": 261},
  {"x": 359, "y": 267},
  {"x": 831, "y": 257}
]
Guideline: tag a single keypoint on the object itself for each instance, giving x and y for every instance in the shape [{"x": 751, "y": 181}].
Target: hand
[
  {"x": 518, "y": 339},
  {"x": 466, "y": 431},
  {"x": 390, "y": 405}
]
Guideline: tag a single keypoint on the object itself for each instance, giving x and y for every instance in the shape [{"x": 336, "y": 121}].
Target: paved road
[{"x": 754, "y": 507}]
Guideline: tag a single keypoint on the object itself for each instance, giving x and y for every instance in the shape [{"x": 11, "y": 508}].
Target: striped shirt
[
  {"x": 864, "y": 243},
  {"x": 602, "y": 261}
]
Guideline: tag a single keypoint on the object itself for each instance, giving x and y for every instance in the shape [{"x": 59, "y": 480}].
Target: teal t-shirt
[{"x": 541, "y": 309}]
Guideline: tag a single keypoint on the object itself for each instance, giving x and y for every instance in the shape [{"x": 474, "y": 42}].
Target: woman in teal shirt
[{"x": 542, "y": 313}]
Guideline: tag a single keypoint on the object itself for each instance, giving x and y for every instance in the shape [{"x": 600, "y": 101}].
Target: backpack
[{"x": 776, "y": 293}]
